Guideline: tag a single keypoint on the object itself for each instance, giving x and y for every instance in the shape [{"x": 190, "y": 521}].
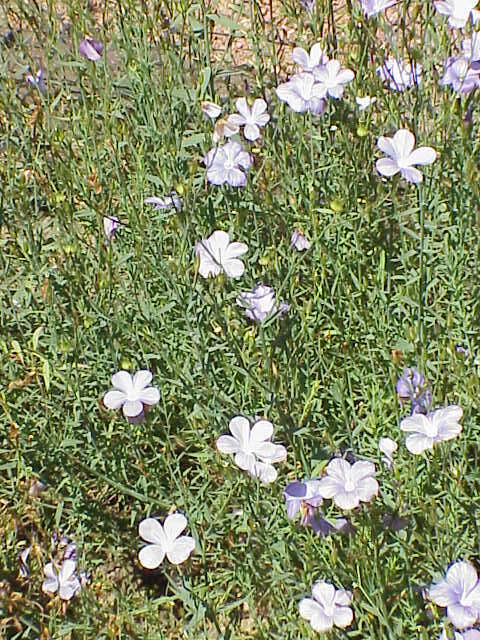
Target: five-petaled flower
[
  {"x": 224, "y": 164},
  {"x": 348, "y": 484},
  {"x": 402, "y": 157},
  {"x": 398, "y": 74},
  {"x": 372, "y": 7},
  {"x": 252, "y": 448},
  {"x": 458, "y": 11},
  {"x": 424, "y": 431},
  {"x": 91, "y": 49},
  {"x": 460, "y": 75},
  {"x": 302, "y": 93},
  {"x": 260, "y": 303},
  {"x": 298, "y": 241},
  {"x": 62, "y": 580},
  {"x": 332, "y": 79},
  {"x": 460, "y": 593},
  {"x": 164, "y": 541},
  {"x": 250, "y": 118},
  {"x": 131, "y": 393},
  {"x": 218, "y": 254},
  {"x": 329, "y": 607},
  {"x": 310, "y": 61}
]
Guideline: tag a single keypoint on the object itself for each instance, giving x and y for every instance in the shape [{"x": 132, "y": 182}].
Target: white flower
[
  {"x": 110, "y": 225},
  {"x": 460, "y": 593},
  {"x": 171, "y": 200},
  {"x": 218, "y": 254},
  {"x": 225, "y": 164},
  {"x": 402, "y": 157},
  {"x": 250, "y": 119},
  {"x": 399, "y": 75},
  {"x": 364, "y": 103},
  {"x": 460, "y": 75},
  {"x": 458, "y": 11},
  {"x": 348, "y": 484},
  {"x": 426, "y": 430},
  {"x": 333, "y": 79},
  {"x": 298, "y": 241},
  {"x": 471, "y": 634},
  {"x": 309, "y": 62},
  {"x": 372, "y": 7},
  {"x": 328, "y": 608},
  {"x": 211, "y": 110},
  {"x": 471, "y": 48},
  {"x": 64, "y": 581},
  {"x": 388, "y": 447},
  {"x": 131, "y": 393},
  {"x": 252, "y": 449},
  {"x": 164, "y": 541},
  {"x": 260, "y": 303},
  {"x": 302, "y": 93}
]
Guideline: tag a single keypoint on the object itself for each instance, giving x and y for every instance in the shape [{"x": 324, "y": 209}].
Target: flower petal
[
  {"x": 347, "y": 500},
  {"x": 227, "y": 444},
  {"x": 234, "y": 268},
  {"x": 245, "y": 461},
  {"x": 403, "y": 142},
  {"x": 417, "y": 443},
  {"x": 361, "y": 470},
  {"x": 412, "y": 175},
  {"x": 114, "y": 399},
  {"x": 251, "y": 132},
  {"x": 152, "y": 531},
  {"x": 132, "y": 408},
  {"x": 149, "y": 396},
  {"x": 240, "y": 430},
  {"x": 422, "y": 155},
  {"x": 387, "y": 167},
  {"x": 173, "y": 526},
  {"x": 181, "y": 549},
  {"x": 236, "y": 178},
  {"x": 262, "y": 430},
  {"x": 342, "y": 616},
  {"x": 142, "y": 379},
  {"x": 123, "y": 380},
  {"x": 265, "y": 472},
  {"x": 386, "y": 145},
  {"x": 151, "y": 556}
]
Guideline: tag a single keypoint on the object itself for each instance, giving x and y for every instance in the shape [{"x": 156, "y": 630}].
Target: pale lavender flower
[
  {"x": 347, "y": 484},
  {"x": 310, "y": 61},
  {"x": 402, "y": 157},
  {"x": 308, "y": 5},
  {"x": 260, "y": 303},
  {"x": 91, "y": 49},
  {"x": 470, "y": 634},
  {"x": 424, "y": 431},
  {"x": 224, "y": 164},
  {"x": 460, "y": 75},
  {"x": 302, "y": 93},
  {"x": 304, "y": 497},
  {"x": 131, "y": 393},
  {"x": 471, "y": 49},
  {"x": 411, "y": 385},
  {"x": 399, "y": 75},
  {"x": 23, "y": 562},
  {"x": 460, "y": 593},
  {"x": 211, "y": 110},
  {"x": 62, "y": 579},
  {"x": 37, "y": 81},
  {"x": 164, "y": 541},
  {"x": 458, "y": 11},
  {"x": 171, "y": 200},
  {"x": 365, "y": 102},
  {"x": 298, "y": 241},
  {"x": 372, "y": 7},
  {"x": 110, "y": 225},
  {"x": 328, "y": 607},
  {"x": 253, "y": 450},
  {"x": 250, "y": 118},
  {"x": 387, "y": 446},
  {"x": 332, "y": 79},
  {"x": 217, "y": 254}
]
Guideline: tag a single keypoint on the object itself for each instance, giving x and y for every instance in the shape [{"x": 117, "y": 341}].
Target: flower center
[
  {"x": 229, "y": 164},
  {"x": 431, "y": 431},
  {"x": 349, "y": 486}
]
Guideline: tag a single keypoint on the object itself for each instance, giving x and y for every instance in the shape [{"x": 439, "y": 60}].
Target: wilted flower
[
  {"x": 225, "y": 164},
  {"x": 458, "y": 11},
  {"x": 304, "y": 497},
  {"x": 37, "y": 81},
  {"x": 347, "y": 484},
  {"x": 252, "y": 448},
  {"x": 36, "y": 488},
  {"x": 302, "y": 93},
  {"x": 365, "y": 102},
  {"x": 332, "y": 79},
  {"x": 250, "y": 119},
  {"x": 471, "y": 50},
  {"x": 309, "y": 62},
  {"x": 398, "y": 74},
  {"x": 298, "y": 241},
  {"x": 437, "y": 426},
  {"x": 62, "y": 580},
  {"x": 218, "y": 254},
  {"x": 411, "y": 385},
  {"x": 22, "y": 560},
  {"x": 91, "y": 49},
  {"x": 224, "y": 129},
  {"x": 260, "y": 303},
  {"x": 388, "y": 447},
  {"x": 372, "y": 7},
  {"x": 402, "y": 157},
  {"x": 211, "y": 110},
  {"x": 110, "y": 225},
  {"x": 171, "y": 200},
  {"x": 460, "y": 593},
  {"x": 460, "y": 75},
  {"x": 164, "y": 541},
  {"x": 131, "y": 393},
  {"x": 328, "y": 608}
]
